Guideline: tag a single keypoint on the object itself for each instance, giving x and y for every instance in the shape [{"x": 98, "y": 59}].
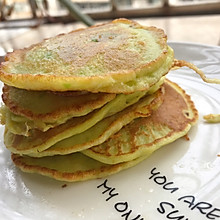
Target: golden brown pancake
[
  {"x": 121, "y": 56},
  {"x": 71, "y": 167},
  {"x": 25, "y": 109},
  {"x": 50, "y": 107}
]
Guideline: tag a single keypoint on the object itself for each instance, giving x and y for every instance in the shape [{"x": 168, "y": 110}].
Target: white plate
[{"x": 180, "y": 181}]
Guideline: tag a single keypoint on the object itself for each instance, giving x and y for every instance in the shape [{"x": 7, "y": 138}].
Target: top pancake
[{"x": 117, "y": 57}]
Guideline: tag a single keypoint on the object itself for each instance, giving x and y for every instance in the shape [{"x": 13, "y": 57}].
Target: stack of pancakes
[{"x": 92, "y": 102}]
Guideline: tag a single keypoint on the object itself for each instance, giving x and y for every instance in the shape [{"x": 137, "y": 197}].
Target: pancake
[
  {"x": 26, "y": 110},
  {"x": 70, "y": 168},
  {"x": 101, "y": 131},
  {"x": 52, "y": 107},
  {"x": 172, "y": 120},
  {"x": 117, "y": 57}
]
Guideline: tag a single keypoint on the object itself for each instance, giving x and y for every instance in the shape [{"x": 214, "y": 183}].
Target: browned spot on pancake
[
  {"x": 186, "y": 137},
  {"x": 110, "y": 47},
  {"x": 171, "y": 111}
]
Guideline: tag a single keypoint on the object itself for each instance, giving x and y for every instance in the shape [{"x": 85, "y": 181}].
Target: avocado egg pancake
[
  {"x": 92, "y": 102},
  {"x": 25, "y": 109},
  {"x": 52, "y": 107},
  {"x": 121, "y": 56},
  {"x": 132, "y": 144},
  {"x": 70, "y": 168}
]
